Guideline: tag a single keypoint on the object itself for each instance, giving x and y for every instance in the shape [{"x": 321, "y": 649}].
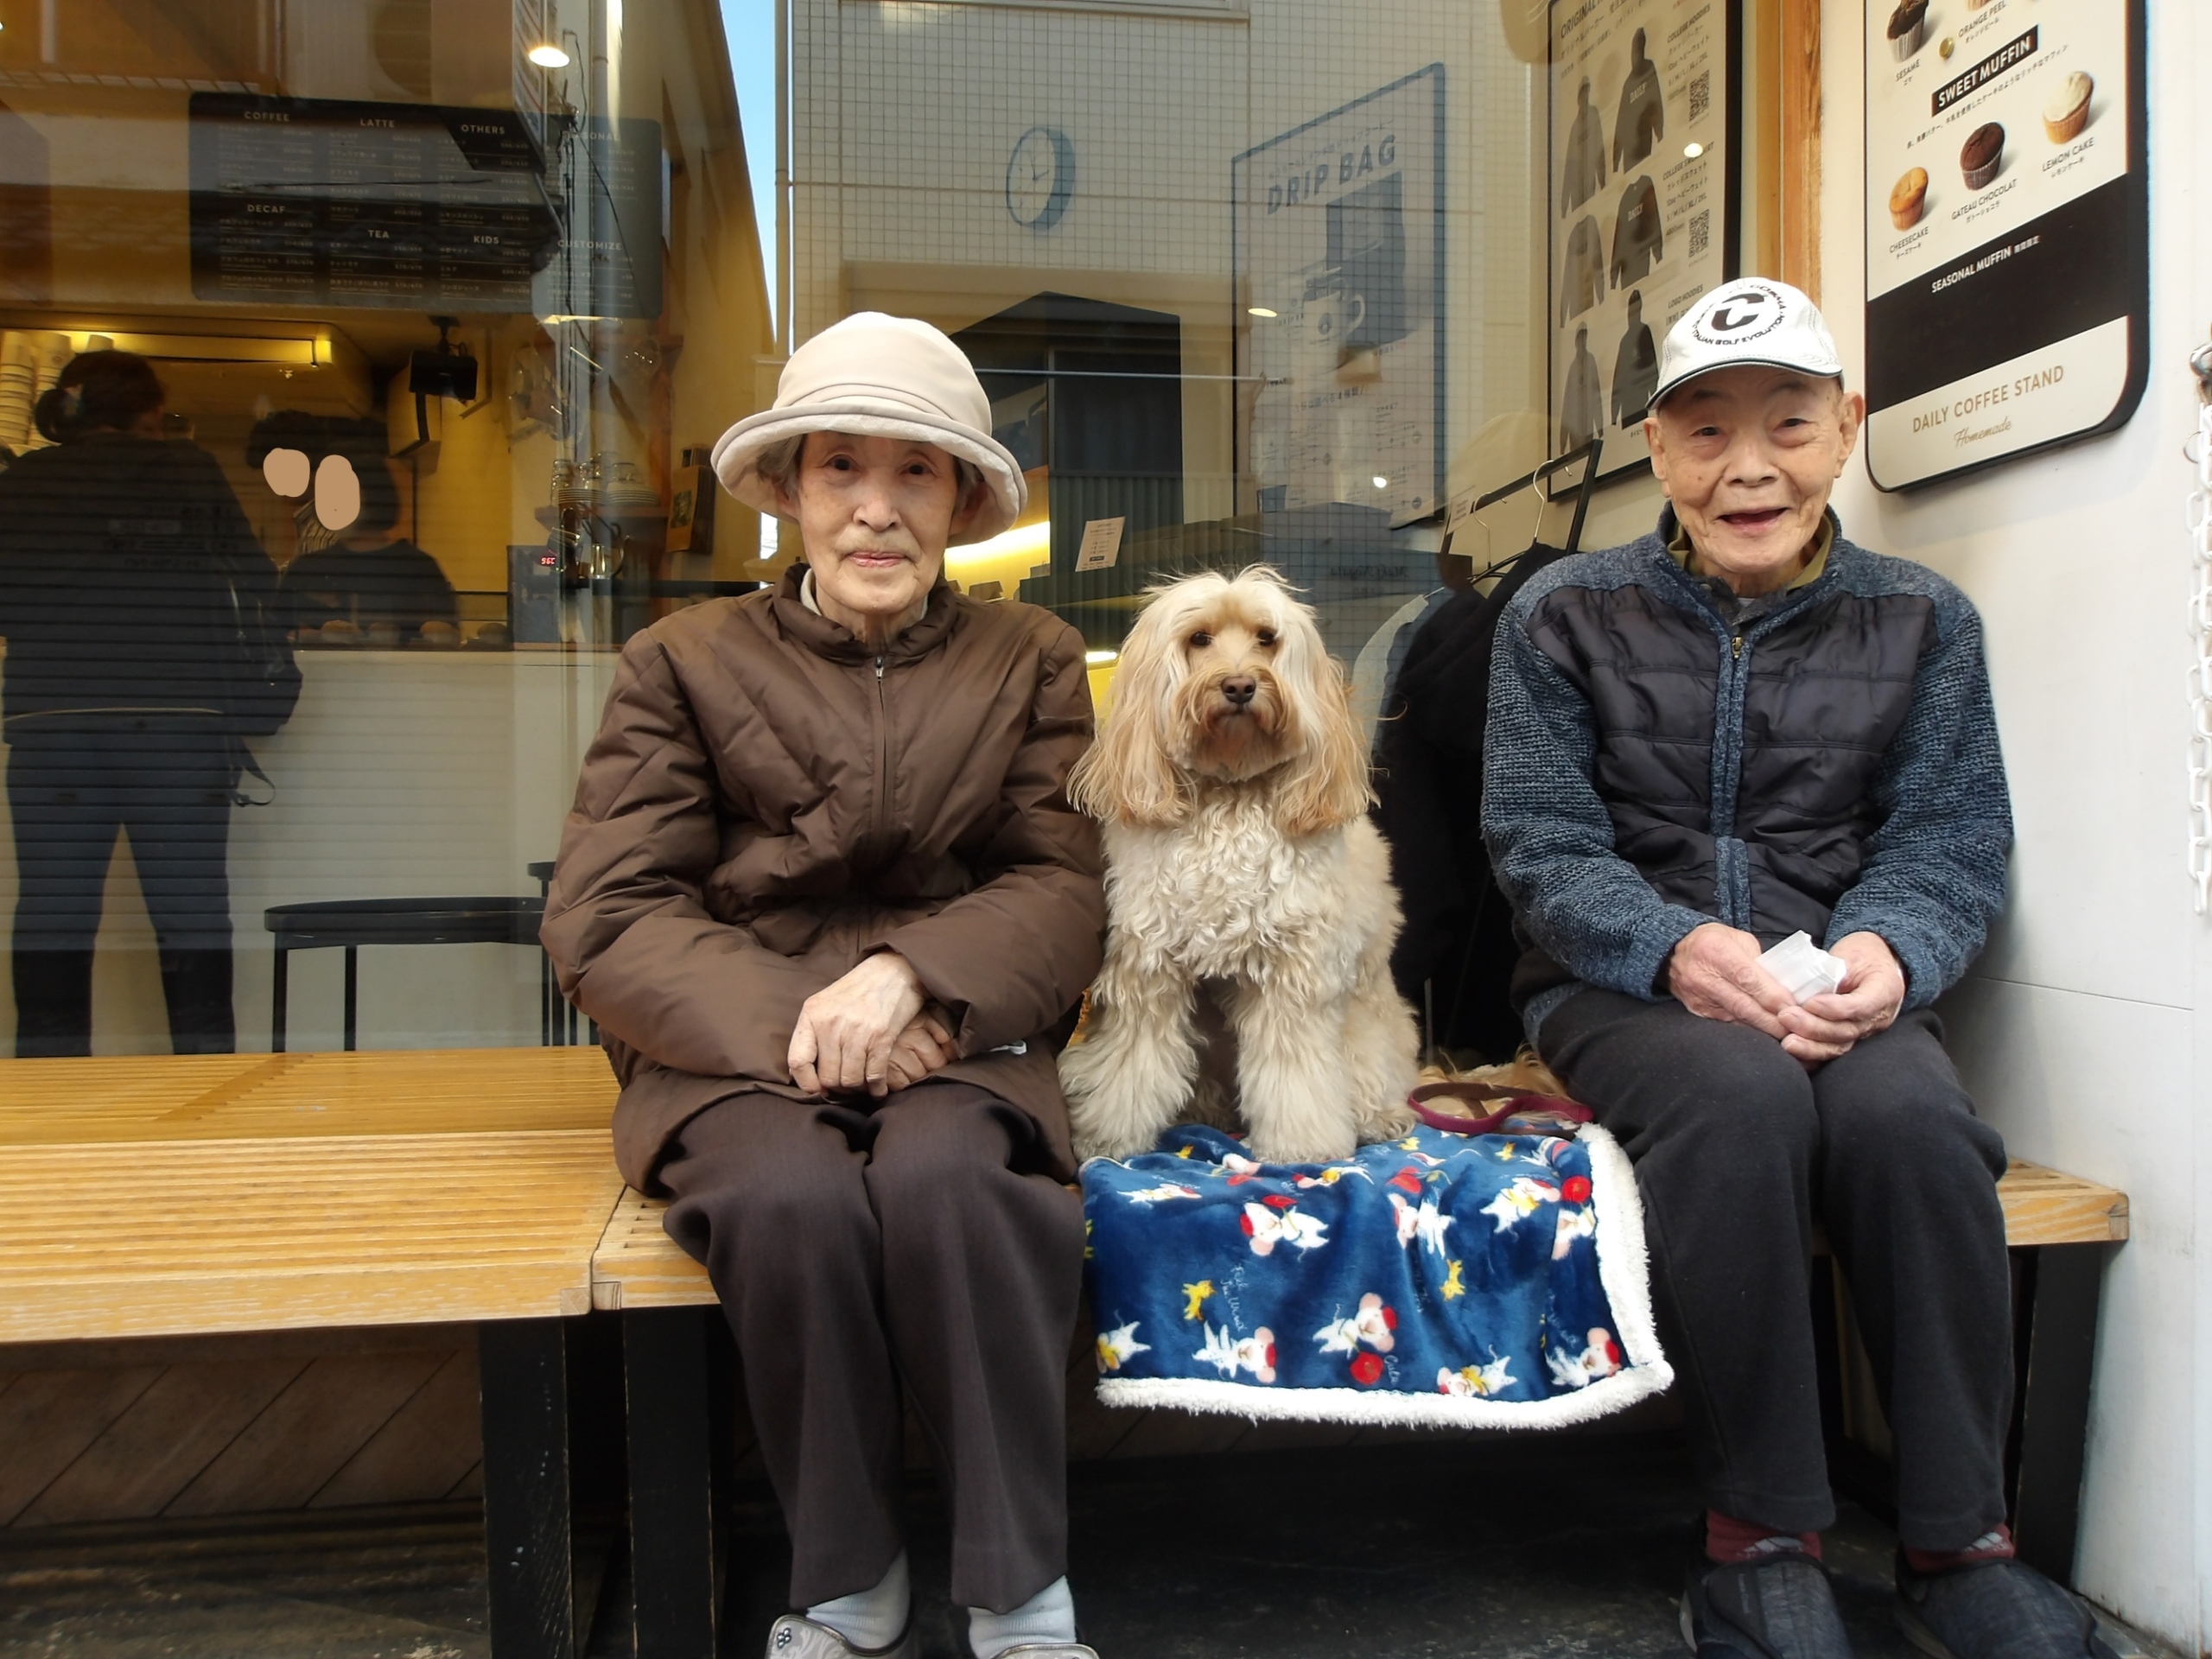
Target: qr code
[
  {"x": 1700, "y": 231},
  {"x": 1701, "y": 93}
]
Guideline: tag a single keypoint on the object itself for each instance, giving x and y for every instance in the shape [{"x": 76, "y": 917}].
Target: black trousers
[
  {"x": 69, "y": 790},
  {"x": 1736, "y": 1149},
  {"x": 854, "y": 1250}
]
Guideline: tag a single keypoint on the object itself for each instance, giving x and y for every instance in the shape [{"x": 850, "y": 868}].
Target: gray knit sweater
[{"x": 1831, "y": 763}]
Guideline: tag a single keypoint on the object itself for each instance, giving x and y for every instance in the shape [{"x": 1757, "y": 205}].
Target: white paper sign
[{"x": 1101, "y": 544}]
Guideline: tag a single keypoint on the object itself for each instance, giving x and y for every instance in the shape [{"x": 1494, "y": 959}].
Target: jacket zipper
[{"x": 882, "y": 760}]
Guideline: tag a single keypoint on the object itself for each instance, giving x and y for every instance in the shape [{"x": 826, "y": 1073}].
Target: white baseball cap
[
  {"x": 1755, "y": 322},
  {"x": 878, "y": 377}
]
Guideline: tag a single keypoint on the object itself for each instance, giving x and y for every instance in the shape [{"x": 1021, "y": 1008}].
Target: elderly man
[
  {"x": 822, "y": 890},
  {"x": 1737, "y": 728}
]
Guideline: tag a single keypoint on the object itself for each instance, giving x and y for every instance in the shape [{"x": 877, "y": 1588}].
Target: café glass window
[{"x": 445, "y": 303}]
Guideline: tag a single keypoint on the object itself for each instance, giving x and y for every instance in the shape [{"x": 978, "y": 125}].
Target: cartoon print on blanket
[{"x": 1497, "y": 1281}]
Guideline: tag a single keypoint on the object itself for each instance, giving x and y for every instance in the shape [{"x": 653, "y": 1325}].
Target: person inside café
[
  {"x": 125, "y": 564},
  {"x": 1742, "y": 726}
]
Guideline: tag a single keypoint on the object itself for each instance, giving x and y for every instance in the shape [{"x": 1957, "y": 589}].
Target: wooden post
[{"x": 1801, "y": 144}]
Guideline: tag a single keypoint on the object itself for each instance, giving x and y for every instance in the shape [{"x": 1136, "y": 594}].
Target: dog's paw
[
  {"x": 1273, "y": 1150},
  {"x": 1120, "y": 1148},
  {"x": 1391, "y": 1123}
]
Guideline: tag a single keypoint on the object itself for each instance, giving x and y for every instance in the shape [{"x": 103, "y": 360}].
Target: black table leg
[
  {"x": 276, "y": 1000},
  {"x": 529, "y": 1530},
  {"x": 353, "y": 990},
  {"x": 2061, "y": 1293},
  {"x": 678, "y": 1428}
]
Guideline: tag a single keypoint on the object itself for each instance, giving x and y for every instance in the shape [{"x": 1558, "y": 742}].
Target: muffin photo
[
  {"x": 2068, "y": 112},
  {"x": 1908, "y": 28},
  {"x": 1984, "y": 150},
  {"x": 1908, "y": 196}
]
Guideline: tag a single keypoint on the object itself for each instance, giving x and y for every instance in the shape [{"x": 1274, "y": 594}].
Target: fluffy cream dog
[{"x": 1249, "y": 898}]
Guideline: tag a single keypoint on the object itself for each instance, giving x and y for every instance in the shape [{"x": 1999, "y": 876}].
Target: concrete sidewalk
[{"x": 1505, "y": 1548}]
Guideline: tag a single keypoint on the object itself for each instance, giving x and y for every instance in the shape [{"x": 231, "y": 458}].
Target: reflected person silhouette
[{"x": 125, "y": 567}]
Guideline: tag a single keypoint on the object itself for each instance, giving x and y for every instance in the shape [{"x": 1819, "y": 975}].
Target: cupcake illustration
[
  {"x": 1983, "y": 152},
  {"x": 2068, "y": 112},
  {"x": 1908, "y": 28},
  {"x": 1907, "y": 197}
]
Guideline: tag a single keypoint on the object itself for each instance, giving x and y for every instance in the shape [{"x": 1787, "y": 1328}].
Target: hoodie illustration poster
[{"x": 1640, "y": 213}]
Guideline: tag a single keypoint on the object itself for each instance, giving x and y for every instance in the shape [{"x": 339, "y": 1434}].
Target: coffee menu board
[
  {"x": 1338, "y": 251},
  {"x": 335, "y": 203},
  {"x": 1644, "y": 186},
  {"x": 2007, "y": 267}
]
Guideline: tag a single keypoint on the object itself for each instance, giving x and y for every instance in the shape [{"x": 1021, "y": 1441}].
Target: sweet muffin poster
[{"x": 2005, "y": 259}]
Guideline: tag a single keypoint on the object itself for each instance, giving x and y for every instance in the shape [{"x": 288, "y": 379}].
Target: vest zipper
[
  {"x": 882, "y": 760},
  {"x": 1735, "y": 650}
]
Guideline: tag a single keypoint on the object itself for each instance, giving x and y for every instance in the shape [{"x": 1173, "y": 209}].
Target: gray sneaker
[
  {"x": 793, "y": 1636},
  {"x": 1048, "y": 1651},
  {"x": 1779, "y": 1608},
  {"x": 1994, "y": 1609}
]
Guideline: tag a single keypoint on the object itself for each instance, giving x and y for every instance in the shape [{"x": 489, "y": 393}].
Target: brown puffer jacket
[{"x": 766, "y": 803}]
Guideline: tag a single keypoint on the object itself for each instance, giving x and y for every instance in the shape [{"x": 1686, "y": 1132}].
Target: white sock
[
  {"x": 870, "y": 1618},
  {"x": 1046, "y": 1616}
]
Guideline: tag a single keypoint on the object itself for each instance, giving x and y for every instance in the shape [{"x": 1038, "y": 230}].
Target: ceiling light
[
  {"x": 1100, "y": 658},
  {"x": 1381, "y": 482},
  {"x": 1259, "y": 311},
  {"x": 547, "y": 56},
  {"x": 1692, "y": 151}
]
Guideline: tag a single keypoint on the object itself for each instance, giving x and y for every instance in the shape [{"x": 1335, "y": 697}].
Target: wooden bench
[
  {"x": 176, "y": 1195},
  {"x": 161, "y": 1197},
  {"x": 2055, "y": 1223}
]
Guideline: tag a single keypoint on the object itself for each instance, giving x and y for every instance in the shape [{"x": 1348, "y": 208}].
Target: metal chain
[{"x": 2200, "y": 625}]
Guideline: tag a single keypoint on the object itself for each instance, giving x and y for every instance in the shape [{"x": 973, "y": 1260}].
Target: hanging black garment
[{"x": 1454, "y": 960}]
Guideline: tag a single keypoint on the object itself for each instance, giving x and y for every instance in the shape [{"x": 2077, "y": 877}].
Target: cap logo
[{"x": 1743, "y": 315}]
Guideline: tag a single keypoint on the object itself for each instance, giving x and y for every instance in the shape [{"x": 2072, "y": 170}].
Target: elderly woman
[{"x": 822, "y": 891}]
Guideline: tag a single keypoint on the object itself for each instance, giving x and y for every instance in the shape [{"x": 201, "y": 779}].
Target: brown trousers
[{"x": 856, "y": 1246}]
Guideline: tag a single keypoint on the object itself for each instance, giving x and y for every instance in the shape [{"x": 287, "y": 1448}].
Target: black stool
[{"x": 352, "y": 923}]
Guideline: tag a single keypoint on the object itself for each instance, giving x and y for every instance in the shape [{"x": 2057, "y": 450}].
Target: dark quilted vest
[{"x": 1738, "y": 769}]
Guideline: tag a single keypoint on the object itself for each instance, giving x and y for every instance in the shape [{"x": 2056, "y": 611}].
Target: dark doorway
[{"x": 1092, "y": 391}]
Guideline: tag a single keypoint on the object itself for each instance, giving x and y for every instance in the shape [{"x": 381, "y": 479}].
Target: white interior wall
[{"x": 2079, "y": 1030}]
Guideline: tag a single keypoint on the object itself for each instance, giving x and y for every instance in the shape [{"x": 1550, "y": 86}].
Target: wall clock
[{"x": 1039, "y": 178}]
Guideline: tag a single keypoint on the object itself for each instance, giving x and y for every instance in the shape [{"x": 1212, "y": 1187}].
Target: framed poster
[
  {"x": 2007, "y": 241},
  {"x": 1338, "y": 268},
  {"x": 1645, "y": 183}
]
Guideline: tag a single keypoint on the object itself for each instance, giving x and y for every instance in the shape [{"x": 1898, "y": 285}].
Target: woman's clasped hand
[{"x": 872, "y": 1030}]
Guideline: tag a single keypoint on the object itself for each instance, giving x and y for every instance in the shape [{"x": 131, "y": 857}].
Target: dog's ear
[
  {"x": 1329, "y": 784},
  {"x": 1128, "y": 775}
]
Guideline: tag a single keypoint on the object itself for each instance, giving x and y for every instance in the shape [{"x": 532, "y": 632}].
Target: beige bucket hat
[{"x": 878, "y": 376}]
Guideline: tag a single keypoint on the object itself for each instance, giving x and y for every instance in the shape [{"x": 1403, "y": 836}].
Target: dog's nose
[{"x": 1240, "y": 689}]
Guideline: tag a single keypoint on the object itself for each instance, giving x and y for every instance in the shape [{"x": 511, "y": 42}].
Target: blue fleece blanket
[{"x": 1497, "y": 1282}]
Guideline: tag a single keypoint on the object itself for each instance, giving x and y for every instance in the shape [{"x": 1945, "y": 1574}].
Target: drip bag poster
[
  {"x": 1339, "y": 251},
  {"x": 2005, "y": 255},
  {"x": 1642, "y": 202}
]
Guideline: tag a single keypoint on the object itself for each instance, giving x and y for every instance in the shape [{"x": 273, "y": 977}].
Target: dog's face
[
  {"x": 1226, "y": 681},
  {"x": 1233, "y": 716}
]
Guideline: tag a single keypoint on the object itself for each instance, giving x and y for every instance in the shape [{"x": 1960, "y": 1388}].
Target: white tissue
[{"x": 1804, "y": 969}]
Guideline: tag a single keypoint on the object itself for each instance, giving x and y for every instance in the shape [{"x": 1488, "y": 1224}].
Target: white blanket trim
[{"x": 1623, "y": 1268}]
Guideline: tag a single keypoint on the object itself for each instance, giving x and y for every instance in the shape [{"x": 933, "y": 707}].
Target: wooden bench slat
[
  {"x": 636, "y": 1265},
  {"x": 2044, "y": 1206},
  {"x": 384, "y": 1092},
  {"x": 101, "y": 1241}
]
